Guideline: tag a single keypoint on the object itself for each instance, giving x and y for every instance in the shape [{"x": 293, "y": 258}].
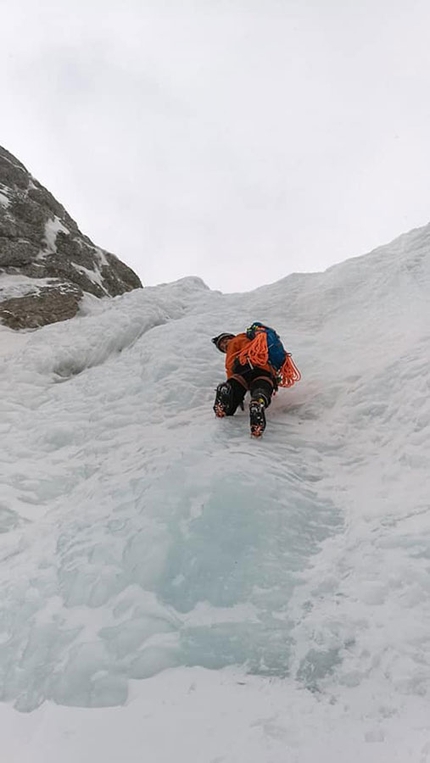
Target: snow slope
[{"x": 273, "y": 594}]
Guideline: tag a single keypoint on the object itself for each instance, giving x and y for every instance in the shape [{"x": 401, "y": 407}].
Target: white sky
[{"x": 236, "y": 141}]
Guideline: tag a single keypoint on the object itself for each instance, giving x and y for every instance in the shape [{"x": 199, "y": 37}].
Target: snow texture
[
  {"x": 52, "y": 228},
  {"x": 4, "y": 200},
  {"x": 274, "y": 594},
  {"x": 12, "y": 286}
]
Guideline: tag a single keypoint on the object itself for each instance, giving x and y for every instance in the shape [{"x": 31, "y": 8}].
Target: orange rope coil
[{"x": 257, "y": 354}]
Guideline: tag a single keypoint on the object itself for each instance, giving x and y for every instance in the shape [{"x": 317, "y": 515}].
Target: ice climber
[{"x": 256, "y": 362}]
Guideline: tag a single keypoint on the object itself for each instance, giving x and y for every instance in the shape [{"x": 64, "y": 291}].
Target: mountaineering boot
[
  {"x": 222, "y": 400},
  {"x": 257, "y": 417}
]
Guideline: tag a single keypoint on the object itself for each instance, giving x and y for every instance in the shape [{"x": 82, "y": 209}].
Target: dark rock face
[
  {"x": 39, "y": 240},
  {"x": 49, "y": 305}
]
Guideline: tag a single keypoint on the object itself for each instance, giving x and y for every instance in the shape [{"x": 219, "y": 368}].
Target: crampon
[
  {"x": 222, "y": 400},
  {"x": 257, "y": 417}
]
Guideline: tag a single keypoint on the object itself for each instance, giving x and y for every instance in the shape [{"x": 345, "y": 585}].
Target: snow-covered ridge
[
  {"x": 142, "y": 535},
  {"x": 104, "y": 330}
]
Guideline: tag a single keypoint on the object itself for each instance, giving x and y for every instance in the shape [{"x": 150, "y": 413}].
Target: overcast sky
[{"x": 236, "y": 140}]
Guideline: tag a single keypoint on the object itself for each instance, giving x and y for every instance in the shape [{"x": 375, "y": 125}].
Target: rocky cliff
[{"x": 46, "y": 263}]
